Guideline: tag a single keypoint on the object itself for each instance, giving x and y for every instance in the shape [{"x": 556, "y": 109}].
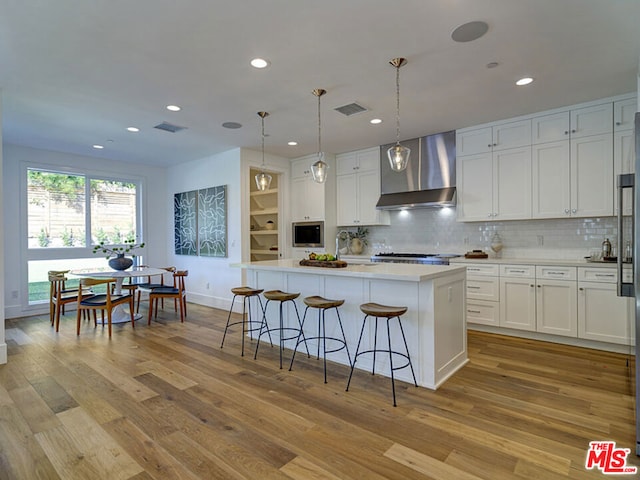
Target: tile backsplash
[{"x": 437, "y": 231}]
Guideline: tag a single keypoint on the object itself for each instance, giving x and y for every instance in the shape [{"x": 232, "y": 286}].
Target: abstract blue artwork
[
  {"x": 185, "y": 210},
  {"x": 212, "y": 221}
]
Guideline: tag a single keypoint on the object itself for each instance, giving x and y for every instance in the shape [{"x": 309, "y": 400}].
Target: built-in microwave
[{"x": 308, "y": 234}]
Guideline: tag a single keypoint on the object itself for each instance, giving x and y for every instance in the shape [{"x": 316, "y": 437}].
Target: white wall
[
  {"x": 154, "y": 222},
  {"x": 211, "y": 278},
  {"x": 3, "y": 345}
]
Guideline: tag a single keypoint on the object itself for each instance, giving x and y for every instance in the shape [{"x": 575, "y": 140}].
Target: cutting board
[{"x": 323, "y": 263}]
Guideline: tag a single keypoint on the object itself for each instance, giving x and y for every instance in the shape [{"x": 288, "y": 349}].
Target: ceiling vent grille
[
  {"x": 168, "y": 127},
  {"x": 351, "y": 109}
]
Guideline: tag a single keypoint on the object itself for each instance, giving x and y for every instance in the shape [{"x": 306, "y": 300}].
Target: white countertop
[
  {"x": 537, "y": 261},
  {"x": 386, "y": 271}
]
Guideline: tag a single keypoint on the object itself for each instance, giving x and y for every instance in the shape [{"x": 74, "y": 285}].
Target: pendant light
[
  {"x": 319, "y": 168},
  {"x": 263, "y": 179},
  {"x": 398, "y": 155}
]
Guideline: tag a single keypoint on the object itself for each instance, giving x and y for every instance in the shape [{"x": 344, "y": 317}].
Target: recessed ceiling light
[
  {"x": 133, "y": 129},
  {"x": 259, "y": 63},
  {"x": 292, "y": 143},
  {"x": 98, "y": 147},
  {"x": 375, "y": 121},
  {"x": 174, "y": 108},
  {"x": 524, "y": 81},
  {"x": 232, "y": 125},
  {"x": 469, "y": 31},
  {"x": 492, "y": 64}
]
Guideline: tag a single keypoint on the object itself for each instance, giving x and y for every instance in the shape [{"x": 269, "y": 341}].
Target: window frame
[{"x": 62, "y": 253}]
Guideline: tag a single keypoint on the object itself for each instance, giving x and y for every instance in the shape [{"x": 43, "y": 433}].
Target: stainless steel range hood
[{"x": 428, "y": 181}]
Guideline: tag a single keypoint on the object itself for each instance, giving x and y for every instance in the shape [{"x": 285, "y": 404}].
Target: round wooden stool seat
[
  {"x": 377, "y": 310},
  {"x": 246, "y": 291},
  {"x": 279, "y": 295},
  {"x": 320, "y": 302}
]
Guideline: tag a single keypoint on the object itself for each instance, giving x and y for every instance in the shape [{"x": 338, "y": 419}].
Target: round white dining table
[{"x": 119, "y": 314}]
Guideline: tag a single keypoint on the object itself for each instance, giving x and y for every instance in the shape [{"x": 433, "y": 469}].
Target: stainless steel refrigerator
[{"x": 629, "y": 231}]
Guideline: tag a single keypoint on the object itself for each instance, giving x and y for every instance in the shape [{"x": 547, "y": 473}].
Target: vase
[
  {"x": 356, "y": 246},
  {"x": 120, "y": 262}
]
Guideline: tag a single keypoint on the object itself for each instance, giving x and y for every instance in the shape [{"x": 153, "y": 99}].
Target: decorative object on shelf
[
  {"x": 319, "y": 168},
  {"x": 263, "y": 179},
  {"x": 398, "y": 154},
  {"x": 496, "y": 244},
  {"x": 270, "y": 225}
]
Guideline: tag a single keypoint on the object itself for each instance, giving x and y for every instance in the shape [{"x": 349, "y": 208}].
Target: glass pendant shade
[
  {"x": 263, "y": 181},
  {"x": 319, "y": 169},
  {"x": 398, "y": 154},
  {"x": 398, "y": 157}
]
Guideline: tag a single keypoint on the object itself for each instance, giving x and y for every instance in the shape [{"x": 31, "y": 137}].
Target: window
[{"x": 69, "y": 213}]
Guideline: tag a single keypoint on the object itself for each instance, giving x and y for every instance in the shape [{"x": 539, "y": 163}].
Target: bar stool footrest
[{"x": 399, "y": 354}]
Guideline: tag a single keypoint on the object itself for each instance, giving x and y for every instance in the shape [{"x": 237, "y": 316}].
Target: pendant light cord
[
  {"x": 398, "y": 105},
  {"x": 262, "y": 118},
  {"x": 319, "y": 129}
]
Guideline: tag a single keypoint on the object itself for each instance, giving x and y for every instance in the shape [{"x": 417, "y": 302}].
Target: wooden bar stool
[
  {"x": 376, "y": 311},
  {"x": 322, "y": 305},
  {"x": 282, "y": 297},
  {"x": 248, "y": 323}
]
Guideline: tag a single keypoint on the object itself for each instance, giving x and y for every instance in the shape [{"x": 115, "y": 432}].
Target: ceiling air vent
[
  {"x": 350, "y": 109},
  {"x": 168, "y": 127}
]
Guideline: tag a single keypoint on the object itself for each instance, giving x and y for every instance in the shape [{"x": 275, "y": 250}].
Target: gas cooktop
[{"x": 427, "y": 258}]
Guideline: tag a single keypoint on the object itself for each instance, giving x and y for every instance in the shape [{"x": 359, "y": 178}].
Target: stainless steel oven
[{"x": 308, "y": 234}]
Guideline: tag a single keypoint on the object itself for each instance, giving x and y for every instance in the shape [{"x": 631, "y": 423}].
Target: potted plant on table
[{"x": 119, "y": 262}]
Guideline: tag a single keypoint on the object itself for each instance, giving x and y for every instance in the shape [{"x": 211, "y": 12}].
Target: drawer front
[
  {"x": 556, "y": 273},
  {"x": 607, "y": 275},
  {"x": 604, "y": 275},
  {"x": 483, "y": 288},
  {"x": 484, "y": 313},
  {"x": 518, "y": 271},
  {"x": 479, "y": 269}
]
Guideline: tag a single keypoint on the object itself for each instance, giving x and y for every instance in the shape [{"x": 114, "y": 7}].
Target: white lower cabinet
[
  {"x": 556, "y": 309},
  {"x": 483, "y": 294},
  {"x": 518, "y": 297},
  {"x": 568, "y": 301},
  {"x": 602, "y": 315}
]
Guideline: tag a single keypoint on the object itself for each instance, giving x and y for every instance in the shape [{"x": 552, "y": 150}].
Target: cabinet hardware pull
[
  {"x": 517, "y": 271},
  {"x": 556, "y": 273},
  {"x": 532, "y": 286},
  {"x": 539, "y": 286},
  {"x": 469, "y": 269},
  {"x": 566, "y": 132},
  {"x": 489, "y": 145},
  {"x": 574, "y": 210},
  {"x": 472, "y": 287},
  {"x": 618, "y": 123},
  {"x": 581, "y": 289},
  {"x": 473, "y": 311},
  {"x": 606, "y": 275},
  {"x": 566, "y": 210},
  {"x": 573, "y": 131}
]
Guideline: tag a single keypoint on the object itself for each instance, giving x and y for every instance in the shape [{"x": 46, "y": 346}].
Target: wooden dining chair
[
  {"x": 60, "y": 295},
  {"x": 178, "y": 293},
  {"x": 103, "y": 302},
  {"x": 149, "y": 285}
]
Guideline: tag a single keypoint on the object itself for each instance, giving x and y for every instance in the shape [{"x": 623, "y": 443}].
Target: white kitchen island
[{"x": 434, "y": 325}]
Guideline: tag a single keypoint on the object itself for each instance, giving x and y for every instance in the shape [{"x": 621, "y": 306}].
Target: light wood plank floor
[{"x": 165, "y": 402}]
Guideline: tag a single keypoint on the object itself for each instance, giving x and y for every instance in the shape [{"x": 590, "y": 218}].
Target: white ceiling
[{"x": 78, "y": 72}]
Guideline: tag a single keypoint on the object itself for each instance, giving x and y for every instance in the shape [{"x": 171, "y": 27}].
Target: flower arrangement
[
  {"x": 360, "y": 233},
  {"x": 127, "y": 246}
]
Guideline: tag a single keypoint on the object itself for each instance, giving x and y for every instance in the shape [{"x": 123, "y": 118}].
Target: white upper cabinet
[
  {"x": 580, "y": 122},
  {"x": 624, "y": 112},
  {"x": 499, "y": 137},
  {"x": 591, "y": 175},
  {"x": 307, "y": 196},
  {"x": 494, "y": 186},
  {"x": 358, "y": 189}
]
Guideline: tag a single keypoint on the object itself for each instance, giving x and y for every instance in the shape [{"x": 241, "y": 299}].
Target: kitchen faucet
[{"x": 338, "y": 235}]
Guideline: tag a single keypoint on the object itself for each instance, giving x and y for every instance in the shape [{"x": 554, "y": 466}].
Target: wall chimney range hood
[{"x": 428, "y": 181}]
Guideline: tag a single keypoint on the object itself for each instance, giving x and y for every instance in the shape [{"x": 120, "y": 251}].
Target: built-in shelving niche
[{"x": 263, "y": 208}]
